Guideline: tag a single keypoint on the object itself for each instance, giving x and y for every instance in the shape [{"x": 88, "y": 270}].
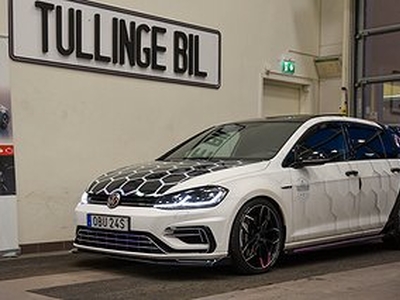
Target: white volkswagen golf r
[{"x": 249, "y": 191}]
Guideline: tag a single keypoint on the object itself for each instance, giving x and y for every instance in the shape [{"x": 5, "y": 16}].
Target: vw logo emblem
[{"x": 113, "y": 200}]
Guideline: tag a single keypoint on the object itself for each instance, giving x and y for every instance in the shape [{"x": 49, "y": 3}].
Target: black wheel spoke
[
  {"x": 245, "y": 227},
  {"x": 250, "y": 244},
  {"x": 273, "y": 236},
  {"x": 264, "y": 257},
  {"x": 250, "y": 255},
  {"x": 249, "y": 220},
  {"x": 261, "y": 220}
]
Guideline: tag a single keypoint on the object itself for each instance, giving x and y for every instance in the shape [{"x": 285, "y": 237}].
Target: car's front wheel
[{"x": 257, "y": 237}]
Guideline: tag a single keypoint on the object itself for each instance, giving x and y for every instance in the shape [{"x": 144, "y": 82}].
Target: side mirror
[
  {"x": 301, "y": 163},
  {"x": 314, "y": 159}
]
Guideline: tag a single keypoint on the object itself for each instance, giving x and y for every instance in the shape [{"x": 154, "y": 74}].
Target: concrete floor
[
  {"x": 368, "y": 271},
  {"x": 379, "y": 282}
]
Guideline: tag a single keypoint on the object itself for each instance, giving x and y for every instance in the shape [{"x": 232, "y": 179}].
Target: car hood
[{"x": 156, "y": 178}]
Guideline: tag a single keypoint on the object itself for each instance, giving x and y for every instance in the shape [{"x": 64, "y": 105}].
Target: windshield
[{"x": 239, "y": 141}]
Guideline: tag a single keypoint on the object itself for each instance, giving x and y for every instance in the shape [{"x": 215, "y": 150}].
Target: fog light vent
[{"x": 194, "y": 235}]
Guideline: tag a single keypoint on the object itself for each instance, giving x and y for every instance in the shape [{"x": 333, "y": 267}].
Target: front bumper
[{"x": 159, "y": 235}]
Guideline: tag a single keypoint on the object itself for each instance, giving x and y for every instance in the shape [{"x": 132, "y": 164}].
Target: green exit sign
[{"x": 288, "y": 66}]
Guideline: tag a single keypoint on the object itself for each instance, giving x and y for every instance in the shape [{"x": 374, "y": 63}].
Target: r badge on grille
[{"x": 113, "y": 200}]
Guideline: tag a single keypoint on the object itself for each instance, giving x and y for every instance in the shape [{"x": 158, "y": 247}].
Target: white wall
[
  {"x": 331, "y": 44},
  {"x": 3, "y": 17},
  {"x": 69, "y": 126}
]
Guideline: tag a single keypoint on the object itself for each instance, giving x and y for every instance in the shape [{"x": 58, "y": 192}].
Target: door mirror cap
[{"x": 301, "y": 163}]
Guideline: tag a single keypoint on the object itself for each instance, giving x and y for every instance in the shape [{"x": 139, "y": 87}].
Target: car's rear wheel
[
  {"x": 257, "y": 237},
  {"x": 392, "y": 238}
]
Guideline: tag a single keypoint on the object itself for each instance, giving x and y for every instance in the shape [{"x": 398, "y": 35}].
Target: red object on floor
[{"x": 6, "y": 150}]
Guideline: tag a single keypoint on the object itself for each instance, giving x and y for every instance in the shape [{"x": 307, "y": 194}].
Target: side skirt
[{"x": 334, "y": 244}]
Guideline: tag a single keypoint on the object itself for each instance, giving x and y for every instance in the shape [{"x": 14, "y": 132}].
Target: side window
[
  {"x": 393, "y": 140},
  {"x": 366, "y": 142},
  {"x": 323, "y": 141}
]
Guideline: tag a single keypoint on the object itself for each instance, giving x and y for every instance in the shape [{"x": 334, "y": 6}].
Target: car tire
[
  {"x": 257, "y": 237},
  {"x": 392, "y": 237}
]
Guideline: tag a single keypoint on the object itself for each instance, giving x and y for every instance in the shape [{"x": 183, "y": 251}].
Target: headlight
[
  {"x": 84, "y": 199},
  {"x": 203, "y": 197}
]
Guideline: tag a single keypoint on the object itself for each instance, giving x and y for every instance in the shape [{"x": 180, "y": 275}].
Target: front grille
[
  {"x": 114, "y": 240},
  {"x": 125, "y": 201}
]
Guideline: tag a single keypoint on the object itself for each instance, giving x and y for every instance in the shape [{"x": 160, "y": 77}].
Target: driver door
[{"x": 324, "y": 192}]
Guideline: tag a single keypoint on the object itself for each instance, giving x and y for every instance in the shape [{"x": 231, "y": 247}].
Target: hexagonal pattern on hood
[{"x": 155, "y": 178}]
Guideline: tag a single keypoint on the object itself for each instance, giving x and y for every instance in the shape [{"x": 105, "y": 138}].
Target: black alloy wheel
[
  {"x": 257, "y": 237},
  {"x": 392, "y": 238}
]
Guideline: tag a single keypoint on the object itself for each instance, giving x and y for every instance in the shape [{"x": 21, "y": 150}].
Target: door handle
[
  {"x": 395, "y": 170},
  {"x": 351, "y": 173}
]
